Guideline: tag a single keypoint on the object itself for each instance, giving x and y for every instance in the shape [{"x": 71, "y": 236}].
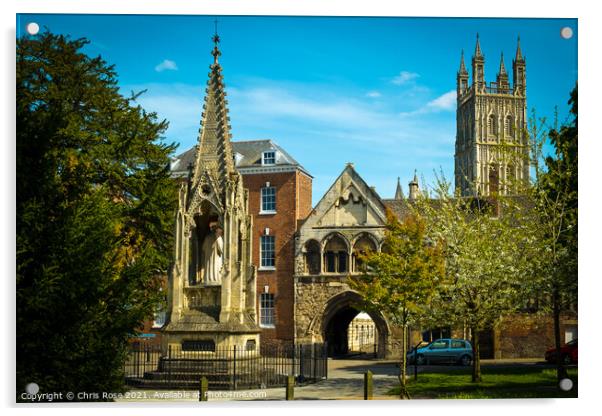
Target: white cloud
[
  {"x": 166, "y": 65},
  {"x": 373, "y": 94},
  {"x": 445, "y": 102},
  {"x": 404, "y": 77}
]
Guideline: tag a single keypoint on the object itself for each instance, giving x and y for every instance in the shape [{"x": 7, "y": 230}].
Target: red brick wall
[
  {"x": 293, "y": 197},
  {"x": 304, "y": 189},
  {"x": 530, "y": 335}
]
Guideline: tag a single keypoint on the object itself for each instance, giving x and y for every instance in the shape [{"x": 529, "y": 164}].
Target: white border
[{"x": 589, "y": 70}]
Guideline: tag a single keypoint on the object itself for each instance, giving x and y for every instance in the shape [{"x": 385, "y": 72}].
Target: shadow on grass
[{"x": 498, "y": 383}]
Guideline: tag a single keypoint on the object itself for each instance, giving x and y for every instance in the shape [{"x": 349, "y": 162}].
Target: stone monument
[{"x": 212, "y": 284}]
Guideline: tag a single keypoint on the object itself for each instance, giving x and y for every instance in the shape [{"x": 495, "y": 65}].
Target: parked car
[
  {"x": 568, "y": 353},
  {"x": 445, "y": 350}
]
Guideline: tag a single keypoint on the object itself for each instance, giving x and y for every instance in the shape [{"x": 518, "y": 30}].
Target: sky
[{"x": 375, "y": 91}]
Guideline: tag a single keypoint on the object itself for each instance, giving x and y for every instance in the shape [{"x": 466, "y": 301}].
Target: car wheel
[
  {"x": 420, "y": 360},
  {"x": 566, "y": 359},
  {"x": 465, "y": 360}
]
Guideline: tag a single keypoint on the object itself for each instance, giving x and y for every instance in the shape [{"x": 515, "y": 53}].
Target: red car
[{"x": 568, "y": 353}]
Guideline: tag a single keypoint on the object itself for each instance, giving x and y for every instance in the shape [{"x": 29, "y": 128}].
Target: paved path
[{"x": 345, "y": 382}]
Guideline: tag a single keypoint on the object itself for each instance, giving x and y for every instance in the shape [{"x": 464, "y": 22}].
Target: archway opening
[
  {"x": 342, "y": 312},
  {"x": 362, "y": 335},
  {"x": 337, "y": 331},
  {"x": 351, "y": 333}
]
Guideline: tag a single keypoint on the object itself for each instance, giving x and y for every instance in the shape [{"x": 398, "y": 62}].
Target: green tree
[
  {"x": 94, "y": 208},
  {"x": 399, "y": 280},
  {"x": 486, "y": 250},
  {"x": 556, "y": 204}
]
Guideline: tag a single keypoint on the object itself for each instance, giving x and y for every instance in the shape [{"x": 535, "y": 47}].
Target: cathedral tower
[
  {"x": 212, "y": 284},
  {"x": 492, "y": 152}
]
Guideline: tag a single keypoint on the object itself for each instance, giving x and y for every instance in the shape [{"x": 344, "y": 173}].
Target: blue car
[{"x": 446, "y": 350}]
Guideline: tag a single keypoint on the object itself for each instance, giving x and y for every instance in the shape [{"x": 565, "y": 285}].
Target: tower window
[
  {"x": 269, "y": 158},
  {"x": 508, "y": 127},
  {"x": 266, "y": 309},
  {"x": 491, "y": 124}
]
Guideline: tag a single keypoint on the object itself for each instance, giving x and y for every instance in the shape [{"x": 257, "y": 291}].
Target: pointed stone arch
[
  {"x": 312, "y": 257},
  {"x": 198, "y": 228},
  {"x": 362, "y": 243},
  {"x": 339, "y": 311},
  {"x": 333, "y": 235},
  {"x": 336, "y": 251}
]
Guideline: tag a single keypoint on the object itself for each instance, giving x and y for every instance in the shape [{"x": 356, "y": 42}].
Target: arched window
[
  {"x": 312, "y": 257},
  {"x": 336, "y": 255},
  {"x": 362, "y": 245},
  {"x": 508, "y": 127},
  {"x": 491, "y": 125}
]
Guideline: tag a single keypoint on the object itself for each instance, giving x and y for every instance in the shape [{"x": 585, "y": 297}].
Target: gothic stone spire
[
  {"x": 519, "y": 70},
  {"x": 502, "y": 76},
  {"x": 214, "y": 150},
  {"x": 477, "y": 50},
  {"x": 478, "y": 67},
  {"x": 519, "y": 53},
  {"x": 462, "y": 70},
  {"x": 399, "y": 190},
  {"x": 502, "y": 70}
]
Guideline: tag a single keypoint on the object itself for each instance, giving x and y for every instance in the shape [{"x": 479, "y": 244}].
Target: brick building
[{"x": 280, "y": 192}]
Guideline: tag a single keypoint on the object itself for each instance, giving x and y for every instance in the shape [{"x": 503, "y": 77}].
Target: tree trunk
[
  {"x": 476, "y": 359},
  {"x": 403, "y": 390},
  {"x": 560, "y": 370}
]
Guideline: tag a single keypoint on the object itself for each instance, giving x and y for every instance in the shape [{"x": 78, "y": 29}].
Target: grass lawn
[{"x": 498, "y": 383}]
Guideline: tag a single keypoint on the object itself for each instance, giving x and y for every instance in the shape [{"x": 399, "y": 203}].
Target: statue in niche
[{"x": 212, "y": 250}]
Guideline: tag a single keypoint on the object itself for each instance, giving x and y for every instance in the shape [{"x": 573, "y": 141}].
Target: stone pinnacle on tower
[
  {"x": 519, "y": 53},
  {"x": 502, "y": 70},
  {"x": 477, "y": 50},
  {"x": 462, "y": 70},
  {"x": 502, "y": 77}
]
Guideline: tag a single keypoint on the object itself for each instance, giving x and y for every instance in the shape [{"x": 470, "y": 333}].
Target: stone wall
[{"x": 317, "y": 296}]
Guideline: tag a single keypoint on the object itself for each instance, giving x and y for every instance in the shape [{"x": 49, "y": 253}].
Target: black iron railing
[{"x": 225, "y": 368}]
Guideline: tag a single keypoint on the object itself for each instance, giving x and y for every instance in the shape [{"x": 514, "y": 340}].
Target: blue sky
[{"x": 379, "y": 92}]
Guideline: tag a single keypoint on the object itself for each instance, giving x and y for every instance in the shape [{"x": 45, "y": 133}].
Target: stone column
[{"x": 226, "y": 304}]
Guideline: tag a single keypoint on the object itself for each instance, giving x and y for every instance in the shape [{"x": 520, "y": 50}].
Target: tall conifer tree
[{"x": 94, "y": 212}]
